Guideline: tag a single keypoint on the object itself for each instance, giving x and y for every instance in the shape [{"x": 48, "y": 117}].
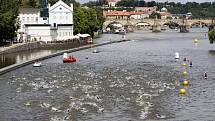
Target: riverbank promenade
[{"x": 5, "y": 48}]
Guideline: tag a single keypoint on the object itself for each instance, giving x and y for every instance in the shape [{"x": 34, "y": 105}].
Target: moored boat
[{"x": 37, "y": 64}]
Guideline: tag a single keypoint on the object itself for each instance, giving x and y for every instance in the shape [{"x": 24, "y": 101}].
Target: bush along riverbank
[{"x": 211, "y": 34}]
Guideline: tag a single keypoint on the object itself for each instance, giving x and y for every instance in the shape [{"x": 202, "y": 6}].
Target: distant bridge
[{"x": 161, "y": 22}]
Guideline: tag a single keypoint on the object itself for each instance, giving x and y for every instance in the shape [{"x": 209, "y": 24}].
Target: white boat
[
  {"x": 65, "y": 55},
  {"x": 37, "y": 64},
  {"x": 176, "y": 55},
  {"x": 116, "y": 31},
  {"x": 95, "y": 51}
]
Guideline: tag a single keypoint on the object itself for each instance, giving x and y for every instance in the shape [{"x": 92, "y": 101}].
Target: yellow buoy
[
  {"x": 182, "y": 91},
  {"x": 183, "y": 64},
  {"x": 184, "y": 73},
  {"x": 196, "y": 41},
  {"x": 185, "y": 83}
]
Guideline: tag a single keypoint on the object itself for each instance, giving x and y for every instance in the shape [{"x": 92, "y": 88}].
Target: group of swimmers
[{"x": 191, "y": 65}]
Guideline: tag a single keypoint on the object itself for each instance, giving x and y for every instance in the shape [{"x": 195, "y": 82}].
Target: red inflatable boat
[{"x": 70, "y": 59}]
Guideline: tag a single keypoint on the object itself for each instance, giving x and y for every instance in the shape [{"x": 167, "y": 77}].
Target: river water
[{"x": 130, "y": 81}]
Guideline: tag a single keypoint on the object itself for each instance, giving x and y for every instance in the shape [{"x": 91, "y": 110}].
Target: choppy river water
[{"x": 129, "y": 81}]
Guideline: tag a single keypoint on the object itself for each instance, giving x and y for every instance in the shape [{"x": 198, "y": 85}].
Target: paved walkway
[{"x": 2, "y": 49}]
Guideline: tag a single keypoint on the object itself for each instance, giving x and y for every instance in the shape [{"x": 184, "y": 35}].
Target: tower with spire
[{"x": 44, "y": 11}]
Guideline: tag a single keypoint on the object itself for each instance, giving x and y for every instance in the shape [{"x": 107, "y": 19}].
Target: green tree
[
  {"x": 212, "y": 26},
  {"x": 33, "y": 3},
  {"x": 211, "y": 35},
  {"x": 154, "y": 15},
  {"x": 96, "y": 3},
  {"x": 85, "y": 21},
  {"x": 169, "y": 17},
  {"x": 94, "y": 24},
  {"x": 8, "y": 19},
  {"x": 68, "y": 2},
  {"x": 127, "y": 3},
  {"x": 199, "y": 10}
]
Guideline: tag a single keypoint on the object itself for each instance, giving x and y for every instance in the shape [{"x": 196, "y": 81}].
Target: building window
[
  {"x": 69, "y": 33},
  {"x": 23, "y": 19},
  {"x": 65, "y": 33},
  {"x": 27, "y": 19},
  {"x": 59, "y": 34},
  {"x": 60, "y": 8},
  {"x": 32, "y": 19},
  {"x": 37, "y": 19},
  {"x": 54, "y": 17}
]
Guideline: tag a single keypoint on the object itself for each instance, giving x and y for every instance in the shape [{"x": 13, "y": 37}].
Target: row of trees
[
  {"x": 36, "y": 3},
  {"x": 133, "y": 3},
  {"x": 199, "y": 10}
]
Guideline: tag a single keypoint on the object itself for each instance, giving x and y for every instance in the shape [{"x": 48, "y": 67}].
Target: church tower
[{"x": 44, "y": 11}]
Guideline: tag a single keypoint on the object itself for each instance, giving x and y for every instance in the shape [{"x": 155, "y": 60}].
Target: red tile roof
[
  {"x": 121, "y": 13},
  {"x": 116, "y": 13}
]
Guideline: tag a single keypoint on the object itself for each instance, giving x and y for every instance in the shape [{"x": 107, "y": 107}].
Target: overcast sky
[{"x": 182, "y": 1}]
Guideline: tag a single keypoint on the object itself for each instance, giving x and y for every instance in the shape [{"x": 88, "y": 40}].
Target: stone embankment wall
[
  {"x": 39, "y": 45},
  {"x": 19, "y": 65}
]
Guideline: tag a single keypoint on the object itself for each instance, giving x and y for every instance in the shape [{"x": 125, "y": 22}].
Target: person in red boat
[{"x": 69, "y": 59}]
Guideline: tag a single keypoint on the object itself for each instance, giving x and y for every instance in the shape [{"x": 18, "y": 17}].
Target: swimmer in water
[
  {"x": 191, "y": 64},
  {"x": 205, "y": 76}
]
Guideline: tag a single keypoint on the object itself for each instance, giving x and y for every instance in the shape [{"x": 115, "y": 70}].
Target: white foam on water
[
  {"x": 27, "y": 104},
  {"x": 144, "y": 113},
  {"x": 54, "y": 109},
  {"x": 160, "y": 116},
  {"x": 45, "y": 105}
]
